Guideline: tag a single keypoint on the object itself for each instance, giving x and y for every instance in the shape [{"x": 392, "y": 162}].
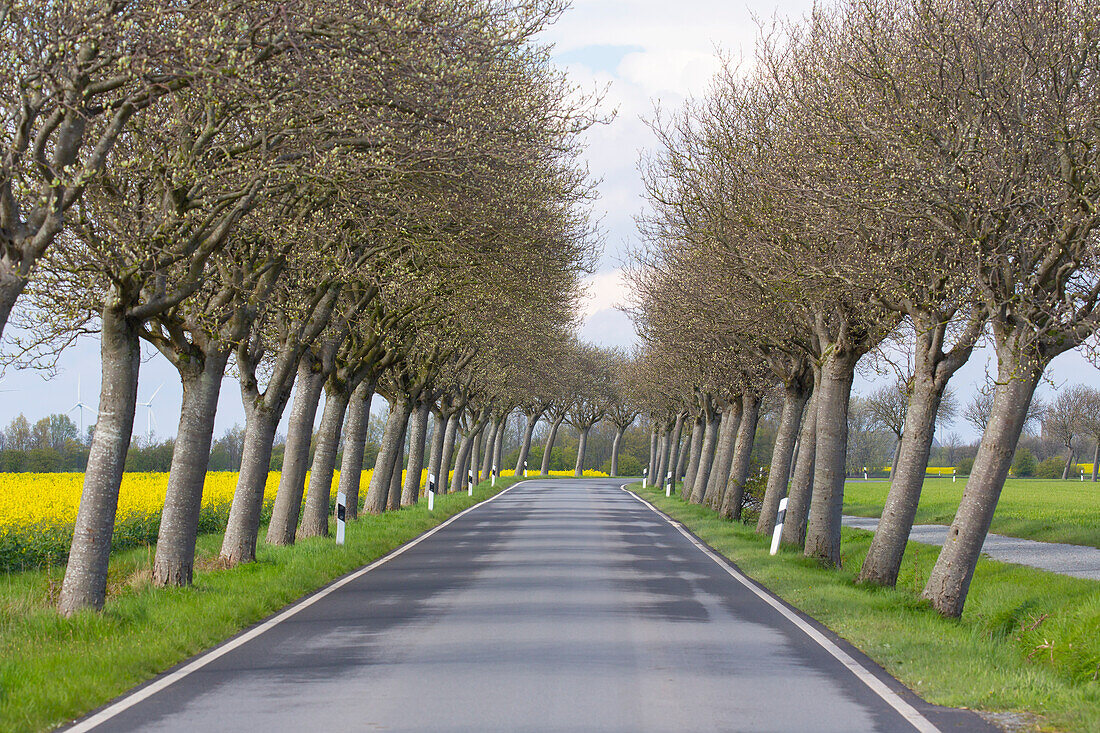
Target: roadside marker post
[
  {"x": 668, "y": 484},
  {"x": 645, "y": 474},
  {"x": 470, "y": 482},
  {"x": 493, "y": 476},
  {"x": 431, "y": 491},
  {"x": 341, "y": 516},
  {"x": 865, "y": 473},
  {"x": 525, "y": 469},
  {"x": 954, "y": 475},
  {"x": 779, "y": 517}
]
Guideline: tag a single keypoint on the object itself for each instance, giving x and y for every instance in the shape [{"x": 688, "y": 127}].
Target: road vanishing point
[{"x": 558, "y": 605}]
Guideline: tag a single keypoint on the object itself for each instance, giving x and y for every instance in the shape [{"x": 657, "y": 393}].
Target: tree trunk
[
  {"x": 490, "y": 445},
  {"x": 720, "y": 468},
  {"x": 706, "y": 458},
  {"x": 545, "y": 470},
  {"x": 1096, "y": 459},
  {"x": 802, "y": 482},
  {"x": 1069, "y": 462},
  {"x": 693, "y": 456},
  {"x": 179, "y": 521},
  {"x": 883, "y": 560},
  {"x": 897, "y": 452},
  {"x": 85, "y": 583},
  {"x": 288, "y": 499},
  {"x": 397, "y": 468},
  {"x": 417, "y": 436},
  {"x": 355, "y": 439},
  {"x": 379, "y": 488},
  {"x": 444, "y": 477},
  {"x": 498, "y": 446},
  {"x": 582, "y": 446},
  {"x": 742, "y": 455},
  {"x": 475, "y": 456},
  {"x": 439, "y": 430},
  {"x": 525, "y": 445},
  {"x": 459, "y": 479},
  {"x": 795, "y": 396},
  {"x": 949, "y": 581},
  {"x": 674, "y": 459},
  {"x": 318, "y": 504},
  {"x": 827, "y": 500},
  {"x": 239, "y": 542},
  {"x": 662, "y": 459},
  {"x": 615, "y": 450},
  {"x": 651, "y": 468}
]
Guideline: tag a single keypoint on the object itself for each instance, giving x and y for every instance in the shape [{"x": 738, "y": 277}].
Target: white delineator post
[
  {"x": 865, "y": 473},
  {"x": 525, "y": 469},
  {"x": 779, "y": 517},
  {"x": 470, "y": 482},
  {"x": 341, "y": 516},
  {"x": 645, "y": 474},
  {"x": 954, "y": 475},
  {"x": 431, "y": 491},
  {"x": 668, "y": 484}
]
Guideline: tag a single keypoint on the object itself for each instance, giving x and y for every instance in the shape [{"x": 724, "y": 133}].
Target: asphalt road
[
  {"x": 1078, "y": 561},
  {"x": 558, "y": 606}
]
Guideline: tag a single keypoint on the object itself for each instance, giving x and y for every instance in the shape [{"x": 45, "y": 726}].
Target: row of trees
[
  {"x": 331, "y": 198},
  {"x": 922, "y": 172}
]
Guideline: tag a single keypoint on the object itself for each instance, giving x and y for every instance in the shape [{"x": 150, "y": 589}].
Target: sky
[{"x": 641, "y": 54}]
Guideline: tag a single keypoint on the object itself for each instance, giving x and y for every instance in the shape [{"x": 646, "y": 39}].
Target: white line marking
[
  {"x": 877, "y": 686},
  {"x": 156, "y": 686}
]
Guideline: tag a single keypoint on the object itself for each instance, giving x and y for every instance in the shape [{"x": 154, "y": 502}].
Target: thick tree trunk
[
  {"x": 897, "y": 451},
  {"x": 827, "y": 500},
  {"x": 318, "y": 497},
  {"x": 460, "y": 478},
  {"x": 693, "y": 456},
  {"x": 674, "y": 460},
  {"x": 1096, "y": 459},
  {"x": 355, "y": 439},
  {"x": 615, "y": 450},
  {"x": 720, "y": 468},
  {"x": 475, "y": 456},
  {"x": 802, "y": 482},
  {"x": 439, "y": 430},
  {"x": 379, "y": 488},
  {"x": 447, "y": 455},
  {"x": 179, "y": 521},
  {"x": 883, "y": 560},
  {"x": 662, "y": 459},
  {"x": 582, "y": 446},
  {"x": 85, "y": 583},
  {"x": 490, "y": 445},
  {"x": 1069, "y": 462},
  {"x": 525, "y": 445},
  {"x": 949, "y": 581},
  {"x": 706, "y": 458},
  {"x": 553, "y": 436},
  {"x": 498, "y": 444},
  {"x": 410, "y": 494},
  {"x": 794, "y": 403},
  {"x": 397, "y": 470},
  {"x": 303, "y": 411},
  {"x": 243, "y": 527},
  {"x": 742, "y": 454}
]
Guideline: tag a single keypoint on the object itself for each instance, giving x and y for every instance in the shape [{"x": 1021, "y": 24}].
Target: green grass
[
  {"x": 1034, "y": 509},
  {"x": 54, "y": 669},
  {"x": 1028, "y": 641}
]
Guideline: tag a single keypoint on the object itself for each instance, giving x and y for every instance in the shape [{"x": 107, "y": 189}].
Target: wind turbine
[
  {"x": 81, "y": 407},
  {"x": 151, "y": 419}
]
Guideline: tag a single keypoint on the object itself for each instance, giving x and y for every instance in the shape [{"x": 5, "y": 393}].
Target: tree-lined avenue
[{"x": 559, "y": 605}]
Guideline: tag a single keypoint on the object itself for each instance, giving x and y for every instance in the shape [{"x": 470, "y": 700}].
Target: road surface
[{"x": 560, "y": 605}]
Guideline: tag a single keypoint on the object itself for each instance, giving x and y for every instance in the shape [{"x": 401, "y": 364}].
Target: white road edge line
[
  {"x": 877, "y": 686},
  {"x": 153, "y": 688}
]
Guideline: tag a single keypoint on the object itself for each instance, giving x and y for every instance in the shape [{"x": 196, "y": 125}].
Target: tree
[{"x": 1062, "y": 420}]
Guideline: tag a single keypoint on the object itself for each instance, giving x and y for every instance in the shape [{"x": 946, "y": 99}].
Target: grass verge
[
  {"x": 54, "y": 669},
  {"x": 1029, "y": 640},
  {"x": 1034, "y": 509}
]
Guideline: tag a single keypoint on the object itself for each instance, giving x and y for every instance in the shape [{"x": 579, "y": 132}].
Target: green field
[
  {"x": 1028, "y": 641},
  {"x": 54, "y": 669},
  {"x": 1035, "y": 509}
]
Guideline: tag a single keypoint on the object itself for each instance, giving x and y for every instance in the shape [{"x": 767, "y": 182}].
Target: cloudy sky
[{"x": 645, "y": 53}]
